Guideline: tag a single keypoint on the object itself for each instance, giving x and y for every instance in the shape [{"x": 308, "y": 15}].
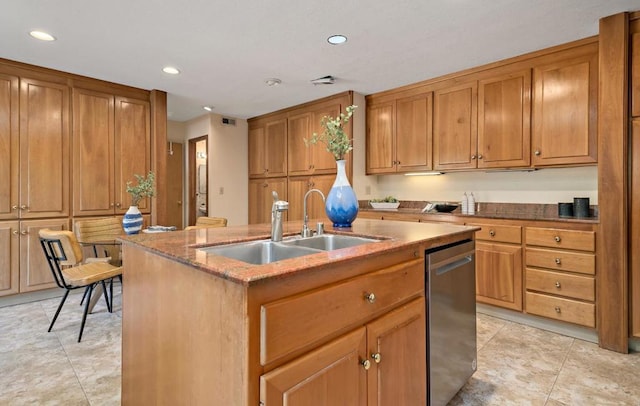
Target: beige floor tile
[{"x": 487, "y": 327}]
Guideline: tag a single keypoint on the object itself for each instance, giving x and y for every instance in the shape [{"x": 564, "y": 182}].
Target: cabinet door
[
  {"x": 499, "y": 275},
  {"x": 565, "y": 112},
  {"x": 276, "y": 147},
  {"x": 35, "y": 273},
  {"x": 455, "y": 130},
  {"x": 44, "y": 149},
  {"x": 299, "y": 129},
  {"x": 413, "y": 133},
  {"x": 397, "y": 351},
  {"x": 93, "y": 184},
  {"x": 257, "y": 166},
  {"x": 316, "y": 205},
  {"x": 504, "y": 121},
  {"x": 9, "y": 174},
  {"x": 9, "y": 257},
  {"x": 132, "y": 149},
  {"x": 634, "y": 234},
  {"x": 296, "y": 189},
  {"x": 381, "y": 138},
  {"x": 331, "y": 375},
  {"x": 321, "y": 159},
  {"x": 635, "y": 75},
  {"x": 261, "y": 198}
]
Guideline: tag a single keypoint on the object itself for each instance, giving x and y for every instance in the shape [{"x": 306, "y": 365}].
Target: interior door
[{"x": 175, "y": 185}]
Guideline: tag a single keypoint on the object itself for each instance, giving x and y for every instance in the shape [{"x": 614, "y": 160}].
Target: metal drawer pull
[
  {"x": 558, "y": 261},
  {"x": 492, "y": 233},
  {"x": 557, "y": 238},
  {"x": 558, "y": 285},
  {"x": 376, "y": 357},
  {"x": 366, "y": 364},
  {"x": 370, "y": 297},
  {"x": 557, "y": 309}
]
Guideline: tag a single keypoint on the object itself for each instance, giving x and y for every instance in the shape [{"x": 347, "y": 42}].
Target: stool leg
[
  {"x": 55, "y": 317},
  {"x": 106, "y": 295},
  {"x": 84, "y": 314}
]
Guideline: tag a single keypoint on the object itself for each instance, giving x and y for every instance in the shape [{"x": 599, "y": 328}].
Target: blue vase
[
  {"x": 132, "y": 221},
  {"x": 341, "y": 204}
]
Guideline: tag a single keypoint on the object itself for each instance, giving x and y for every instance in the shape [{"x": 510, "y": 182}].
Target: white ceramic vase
[{"x": 132, "y": 221}]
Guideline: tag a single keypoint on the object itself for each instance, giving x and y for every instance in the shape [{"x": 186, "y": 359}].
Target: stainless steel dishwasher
[{"x": 451, "y": 319}]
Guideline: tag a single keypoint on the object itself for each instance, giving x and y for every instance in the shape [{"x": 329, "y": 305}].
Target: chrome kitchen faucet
[{"x": 277, "y": 208}]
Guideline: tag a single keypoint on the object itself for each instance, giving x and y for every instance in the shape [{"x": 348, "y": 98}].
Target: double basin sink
[{"x": 265, "y": 252}]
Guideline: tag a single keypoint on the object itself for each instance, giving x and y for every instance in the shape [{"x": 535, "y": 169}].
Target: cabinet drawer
[
  {"x": 561, "y": 260},
  {"x": 293, "y": 323},
  {"x": 561, "y": 309},
  {"x": 557, "y": 238},
  {"x": 499, "y": 233},
  {"x": 574, "y": 286}
]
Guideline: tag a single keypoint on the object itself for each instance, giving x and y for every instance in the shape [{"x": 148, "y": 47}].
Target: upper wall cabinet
[
  {"x": 399, "y": 135},
  {"x": 312, "y": 159},
  {"x": 565, "y": 111},
  {"x": 504, "y": 120},
  {"x": 635, "y": 75},
  {"x": 268, "y": 148},
  {"x": 44, "y": 149},
  {"x": 455, "y": 127},
  {"x": 9, "y": 147},
  {"x": 111, "y": 144}
]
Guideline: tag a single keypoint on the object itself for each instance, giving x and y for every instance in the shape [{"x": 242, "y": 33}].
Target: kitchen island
[{"x": 201, "y": 328}]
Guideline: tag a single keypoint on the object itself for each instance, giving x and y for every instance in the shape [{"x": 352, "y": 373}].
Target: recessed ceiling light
[
  {"x": 170, "y": 70},
  {"x": 337, "y": 39},
  {"x": 273, "y": 82},
  {"x": 42, "y": 36},
  {"x": 208, "y": 108}
]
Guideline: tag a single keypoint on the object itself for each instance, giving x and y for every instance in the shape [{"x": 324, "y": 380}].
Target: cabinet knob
[
  {"x": 537, "y": 152},
  {"x": 15, "y": 232},
  {"x": 558, "y": 285},
  {"x": 558, "y": 261},
  {"x": 492, "y": 233},
  {"x": 179, "y": 202},
  {"x": 480, "y": 156},
  {"x": 14, "y": 207},
  {"x": 557, "y": 238},
  {"x": 366, "y": 364},
  {"x": 112, "y": 204},
  {"x": 557, "y": 308},
  {"x": 265, "y": 184},
  {"x": 473, "y": 157},
  {"x": 24, "y": 207},
  {"x": 398, "y": 162},
  {"x": 24, "y": 232},
  {"x": 266, "y": 170},
  {"x": 376, "y": 357},
  {"x": 118, "y": 204},
  {"x": 370, "y": 297}
]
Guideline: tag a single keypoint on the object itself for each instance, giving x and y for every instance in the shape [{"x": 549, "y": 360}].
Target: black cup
[
  {"x": 581, "y": 207},
  {"x": 565, "y": 209}
]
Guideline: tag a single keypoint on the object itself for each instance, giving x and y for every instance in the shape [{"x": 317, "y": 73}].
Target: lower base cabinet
[
  {"x": 382, "y": 363},
  {"x": 499, "y": 275}
]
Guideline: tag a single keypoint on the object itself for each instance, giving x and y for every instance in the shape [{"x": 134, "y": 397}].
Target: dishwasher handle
[{"x": 453, "y": 265}]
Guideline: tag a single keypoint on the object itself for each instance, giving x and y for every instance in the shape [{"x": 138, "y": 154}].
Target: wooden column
[
  {"x": 612, "y": 234},
  {"x": 158, "y": 100}
]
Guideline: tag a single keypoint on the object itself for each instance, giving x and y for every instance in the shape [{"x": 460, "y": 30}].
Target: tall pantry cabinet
[{"x": 68, "y": 145}]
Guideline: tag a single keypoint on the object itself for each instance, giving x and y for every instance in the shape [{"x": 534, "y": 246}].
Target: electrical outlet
[{"x": 221, "y": 190}]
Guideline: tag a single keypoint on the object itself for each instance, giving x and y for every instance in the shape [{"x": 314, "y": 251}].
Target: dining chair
[
  {"x": 65, "y": 259},
  {"x": 208, "y": 222},
  {"x": 101, "y": 234}
]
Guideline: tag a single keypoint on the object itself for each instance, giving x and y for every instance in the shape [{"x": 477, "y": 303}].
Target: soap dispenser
[
  {"x": 471, "y": 204},
  {"x": 465, "y": 204}
]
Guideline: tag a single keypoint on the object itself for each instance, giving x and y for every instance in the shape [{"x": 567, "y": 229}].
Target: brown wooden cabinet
[
  {"x": 111, "y": 143},
  {"x": 268, "y": 147},
  {"x": 399, "y": 135},
  {"x": 504, "y": 120},
  {"x": 455, "y": 127},
  {"x": 9, "y": 147},
  {"x": 261, "y": 198},
  {"x": 44, "y": 149},
  {"x": 298, "y": 186},
  {"x": 499, "y": 266},
  {"x": 634, "y": 235},
  {"x": 565, "y": 111},
  {"x": 9, "y": 257},
  {"x": 35, "y": 273}
]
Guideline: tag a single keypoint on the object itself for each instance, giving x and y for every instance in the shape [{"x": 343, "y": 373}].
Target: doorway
[
  {"x": 175, "y": 181},
  {"x": 198, "y": 178}
]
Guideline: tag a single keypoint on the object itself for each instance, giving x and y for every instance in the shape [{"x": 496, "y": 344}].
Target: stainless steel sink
[
  {"x": 260, "y": 252},
  {"x": 329, "y": 242}
]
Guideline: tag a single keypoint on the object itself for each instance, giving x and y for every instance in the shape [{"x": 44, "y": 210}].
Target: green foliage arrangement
[
  {"x": 388, "y": 199},
  {"x": 337, "y": 142},
  {"x": 145, "y": 188}
]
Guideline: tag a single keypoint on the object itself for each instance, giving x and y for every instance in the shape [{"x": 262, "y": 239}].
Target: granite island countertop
[{"x": 184, "y": 246}]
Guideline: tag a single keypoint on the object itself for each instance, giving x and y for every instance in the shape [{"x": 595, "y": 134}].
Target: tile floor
[{"x": 517, "y": 364}]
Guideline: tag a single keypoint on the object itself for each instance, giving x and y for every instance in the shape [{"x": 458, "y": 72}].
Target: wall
[{"x": 541, "y": 186}]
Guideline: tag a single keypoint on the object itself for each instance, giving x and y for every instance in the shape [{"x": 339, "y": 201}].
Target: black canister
[
  {"x": 581, "y": 207},
  {"x": 565, "y": 209}
]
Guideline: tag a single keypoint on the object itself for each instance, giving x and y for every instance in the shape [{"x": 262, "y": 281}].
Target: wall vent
[{"x": 228, "y": 121}]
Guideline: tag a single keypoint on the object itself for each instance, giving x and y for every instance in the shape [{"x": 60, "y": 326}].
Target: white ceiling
[{"x": 226, "y": 49}]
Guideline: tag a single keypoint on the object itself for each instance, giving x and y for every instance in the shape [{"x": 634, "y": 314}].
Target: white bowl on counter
[{"x": 384, "y": 205}]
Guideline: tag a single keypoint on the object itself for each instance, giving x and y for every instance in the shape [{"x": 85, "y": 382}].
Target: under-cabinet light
[{"x": 423, "y": 173}]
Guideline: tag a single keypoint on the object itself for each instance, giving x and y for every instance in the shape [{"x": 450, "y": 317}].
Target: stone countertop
[
  {"x": 506, "y": 211},
  {"x": 182, "y": 246}
]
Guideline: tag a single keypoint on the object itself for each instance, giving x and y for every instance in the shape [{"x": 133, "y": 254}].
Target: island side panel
[{"x": 184, "y": 334}]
